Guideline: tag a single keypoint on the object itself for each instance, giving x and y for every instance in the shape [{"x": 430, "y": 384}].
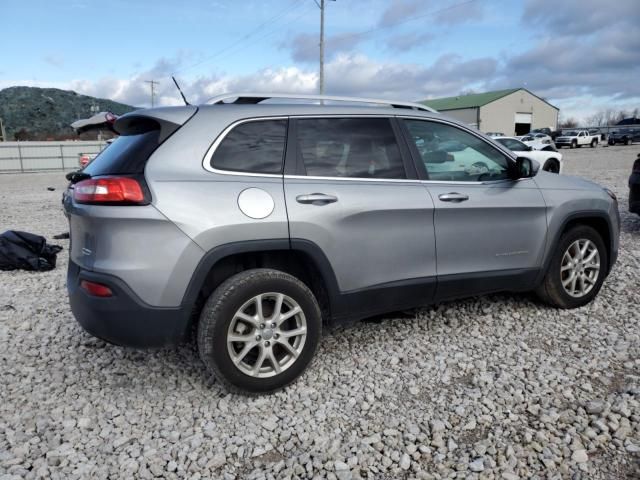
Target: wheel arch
[
  {"x": 549, "y": 161},
  {"x": 300, "y": 258},
  {"x": 595, "y": 219}
]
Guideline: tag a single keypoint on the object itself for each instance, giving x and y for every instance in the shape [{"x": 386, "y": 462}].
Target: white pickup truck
[{"x": 576, "y": 138}]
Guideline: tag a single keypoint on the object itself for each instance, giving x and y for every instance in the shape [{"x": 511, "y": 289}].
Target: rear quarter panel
[
  {"x": 204, "y": 204},
  {"x": 136, "y": 244}
]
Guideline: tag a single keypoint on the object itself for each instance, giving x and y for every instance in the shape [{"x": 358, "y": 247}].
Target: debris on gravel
[{"x": 494, "y": 387}]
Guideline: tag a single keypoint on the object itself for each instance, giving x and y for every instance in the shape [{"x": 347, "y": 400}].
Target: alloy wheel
[
  {"x": 580, "y": 268},
  {"x": 266, "y": 335}
]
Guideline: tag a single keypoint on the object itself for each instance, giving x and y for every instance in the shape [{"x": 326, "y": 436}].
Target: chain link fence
[{"x": 38, "y": 156}]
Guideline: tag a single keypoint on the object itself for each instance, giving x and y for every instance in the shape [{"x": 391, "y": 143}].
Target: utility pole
[
  {"x": 321, "y": 7},
  {"x": 3, "y": 134},
  {"x": 152, "y": 83},
  {"x": 321, "y": 47}
]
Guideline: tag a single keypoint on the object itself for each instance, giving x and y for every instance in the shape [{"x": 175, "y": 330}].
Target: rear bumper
[{"x": 124, "y": 319}]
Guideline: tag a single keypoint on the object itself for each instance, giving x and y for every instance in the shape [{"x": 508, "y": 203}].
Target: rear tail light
[
  {"x": 96, "y": 289},
  {"x": 109, "y": 190}
]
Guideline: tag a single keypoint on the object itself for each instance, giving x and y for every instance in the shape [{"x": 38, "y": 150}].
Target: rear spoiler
[
  {"x": 100, "y": 121},
  {"x": 165, "y": 119}
]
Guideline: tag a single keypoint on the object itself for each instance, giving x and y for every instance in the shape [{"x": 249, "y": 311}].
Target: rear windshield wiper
[{"x": 77, "y": 176}]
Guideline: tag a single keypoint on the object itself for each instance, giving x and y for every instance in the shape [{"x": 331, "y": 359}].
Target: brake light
[
  {"x": 123, "y": 190},
  {"x": 96, "y": 289}
]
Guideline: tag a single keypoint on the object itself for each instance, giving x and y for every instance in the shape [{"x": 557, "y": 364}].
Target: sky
[{"x": 580, "y": 55}]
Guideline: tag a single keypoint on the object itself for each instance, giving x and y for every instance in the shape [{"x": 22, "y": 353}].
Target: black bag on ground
[{"x": 22, "y": 250}]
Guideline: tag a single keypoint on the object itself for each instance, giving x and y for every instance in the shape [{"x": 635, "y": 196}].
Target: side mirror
[{"x": 524, "y": 168}]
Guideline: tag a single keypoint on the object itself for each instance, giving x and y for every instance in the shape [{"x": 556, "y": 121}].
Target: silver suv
[{"x": 256, "y": 222}]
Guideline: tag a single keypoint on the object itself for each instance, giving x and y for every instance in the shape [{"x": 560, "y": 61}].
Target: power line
[
  {"x": 245, "y": 37},
  {"x": 272, "y": 32}
]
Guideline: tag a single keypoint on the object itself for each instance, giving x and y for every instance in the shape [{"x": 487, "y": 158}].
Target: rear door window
[
  {"x": 253, "y": 147},
  {"x": 349, "y": 147}
]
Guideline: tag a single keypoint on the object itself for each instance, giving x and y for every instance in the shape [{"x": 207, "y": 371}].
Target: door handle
[
  {"x": 316, "y": 199},
  {"x": 453, "y": 197}
]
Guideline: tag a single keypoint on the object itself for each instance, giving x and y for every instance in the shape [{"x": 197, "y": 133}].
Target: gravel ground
[{"x": 493, "y": 387}]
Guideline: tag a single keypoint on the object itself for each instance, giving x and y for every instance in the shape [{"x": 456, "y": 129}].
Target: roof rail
[{"x": 255, "y": 98}]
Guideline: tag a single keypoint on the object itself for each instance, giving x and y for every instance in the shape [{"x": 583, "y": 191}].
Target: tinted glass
[
  {"x": 349, "y": 147},
  {"x": 256, "y": 147},
  {"x": 127, "y": 154},
  {"x": 450, "y": 153}
]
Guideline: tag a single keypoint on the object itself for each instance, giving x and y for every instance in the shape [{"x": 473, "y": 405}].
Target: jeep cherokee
[{"x": 255, "y": 222}]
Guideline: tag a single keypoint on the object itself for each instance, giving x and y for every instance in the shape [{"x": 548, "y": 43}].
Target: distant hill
[{"x": 32, "y": 113}]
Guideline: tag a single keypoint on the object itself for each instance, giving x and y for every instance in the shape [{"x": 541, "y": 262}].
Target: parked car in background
[
  {"x": 539, "y": 141},
  {"x": 85, "y": 159},
  {"x": 576, "y": 138},
  {"x": 626, "y": 136},
  {"x": 550, "y": 161},
  {"x": 547, "y": 131},
  {"x": 634, "y": 187}
]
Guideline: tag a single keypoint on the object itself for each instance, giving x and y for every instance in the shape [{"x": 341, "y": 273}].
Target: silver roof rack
[{"x": 255, "y": 98}]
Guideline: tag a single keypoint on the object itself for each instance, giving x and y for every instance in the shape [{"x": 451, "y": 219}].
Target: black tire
[
  {"x": 551, "y": 290},
  {"x": 594, "y": 142},
  {"x": 574, "y": 144},
  {"x": 551, "y": 166},
  {"x": 626, "y": 141},
  {"x": 220, "y": 310}
]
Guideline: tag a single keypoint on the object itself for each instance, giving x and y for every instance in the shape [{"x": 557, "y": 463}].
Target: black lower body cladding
[
  {"x": 124, "y": 319},
  {"x": 634, "y": 193}
]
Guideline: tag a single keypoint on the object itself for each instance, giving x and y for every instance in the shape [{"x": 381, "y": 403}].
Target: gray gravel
[{"x": 493, "y": 387}]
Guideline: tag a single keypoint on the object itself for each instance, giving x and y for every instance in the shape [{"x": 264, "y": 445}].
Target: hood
[{"x": 546, "y": 180}]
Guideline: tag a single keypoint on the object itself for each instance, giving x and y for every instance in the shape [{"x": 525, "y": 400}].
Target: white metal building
[{"x": 514, "y": 111}]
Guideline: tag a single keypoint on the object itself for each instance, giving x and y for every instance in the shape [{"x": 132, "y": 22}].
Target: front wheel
[
  {"x": 259, "y": 330},
  {"x": 577, "y": 269},
  {"x": 574, "y": 144}
]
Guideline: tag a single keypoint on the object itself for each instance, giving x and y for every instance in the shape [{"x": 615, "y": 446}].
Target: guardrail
[{"x": 38, "y": 156}]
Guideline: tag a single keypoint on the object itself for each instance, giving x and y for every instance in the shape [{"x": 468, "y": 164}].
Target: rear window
[
  {"x": 254, "y": 147},
  {"x": 349, "y": 147},
  {"x": 128, "y": 154}
]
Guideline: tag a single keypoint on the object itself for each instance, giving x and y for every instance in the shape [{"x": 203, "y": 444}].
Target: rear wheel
[
  {"x": 594, "y": 142},
  {"x": 259, "y": 330},
  {"x": 577, "y": 269}
]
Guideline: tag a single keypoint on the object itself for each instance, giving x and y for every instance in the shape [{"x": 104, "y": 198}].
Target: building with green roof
[{"x": 514, "y": 111}]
